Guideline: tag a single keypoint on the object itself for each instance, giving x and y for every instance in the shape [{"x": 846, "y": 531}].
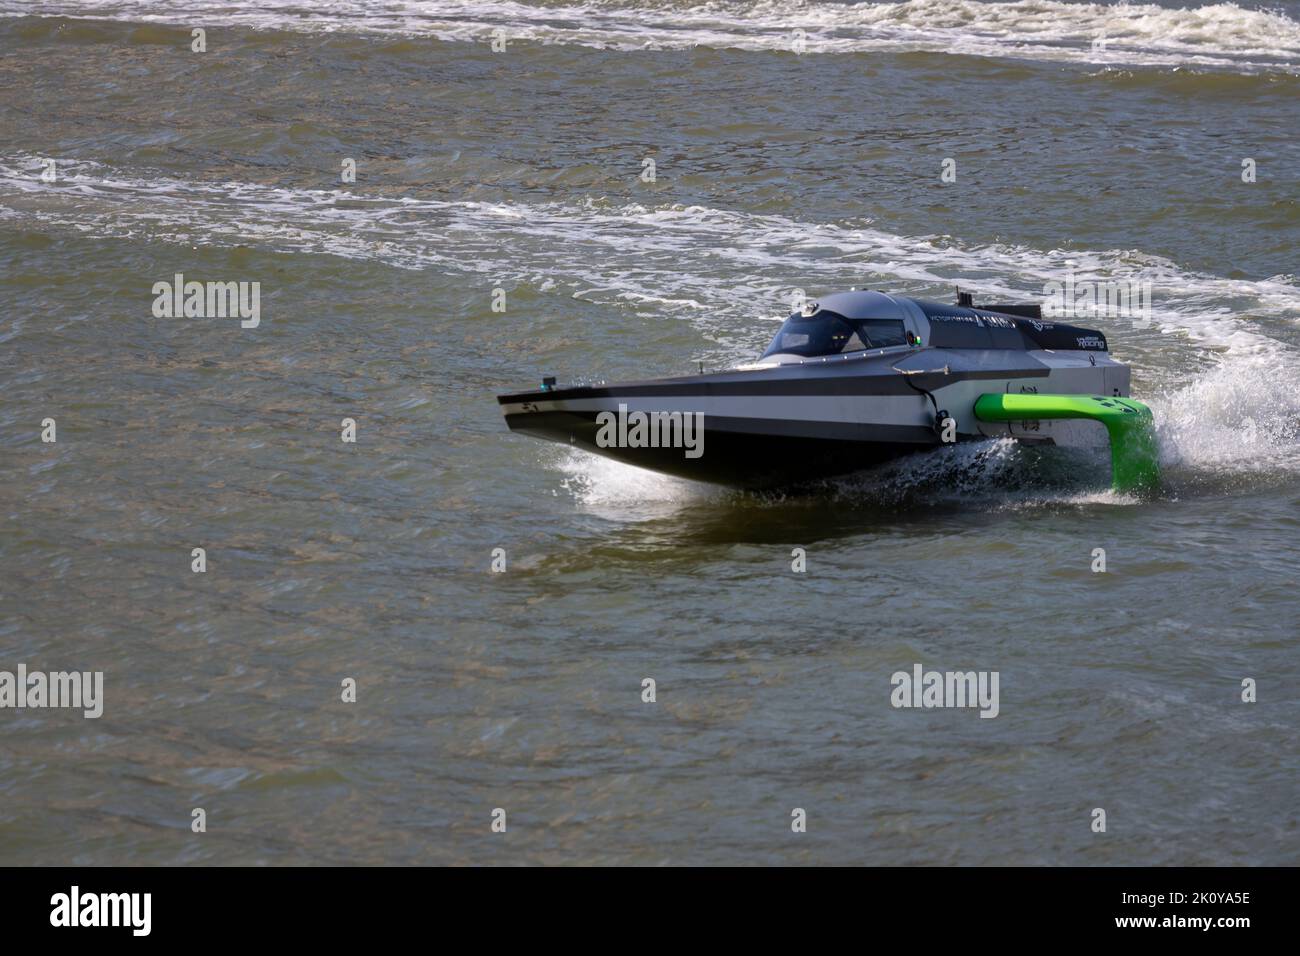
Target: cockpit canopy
[{"x": 829, "y": 333}]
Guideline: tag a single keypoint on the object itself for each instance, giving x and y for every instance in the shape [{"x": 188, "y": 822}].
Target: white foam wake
[
  {"x": 1220, "y": 35},
  {"x": 741, "y": 264}
]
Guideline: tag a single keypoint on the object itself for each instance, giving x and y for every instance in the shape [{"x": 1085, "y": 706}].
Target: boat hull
[
  {"x": 741, "y": 453},
  {"x": 791, "y": 423}
]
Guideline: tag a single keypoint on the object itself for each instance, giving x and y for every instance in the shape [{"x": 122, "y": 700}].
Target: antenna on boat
[{"x": 966, "y": 299}]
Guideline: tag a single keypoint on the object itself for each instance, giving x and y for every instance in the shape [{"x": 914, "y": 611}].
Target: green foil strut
[{"x": 1134, "y": 457}]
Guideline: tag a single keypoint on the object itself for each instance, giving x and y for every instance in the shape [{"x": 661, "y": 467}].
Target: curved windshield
[{"x": 829, "y": 333}]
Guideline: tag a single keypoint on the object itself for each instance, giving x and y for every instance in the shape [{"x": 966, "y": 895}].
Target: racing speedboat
[{"x": 856, "y": 379}]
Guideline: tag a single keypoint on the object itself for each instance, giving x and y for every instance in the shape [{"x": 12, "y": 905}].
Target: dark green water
[{"x": 522, "y": 690}]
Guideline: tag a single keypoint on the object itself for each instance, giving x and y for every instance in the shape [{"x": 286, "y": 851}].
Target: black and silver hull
[{"x": 788, "y": 423}]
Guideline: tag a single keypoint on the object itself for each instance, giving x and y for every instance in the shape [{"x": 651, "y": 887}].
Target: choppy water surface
[{"x": 775, "y": 170}]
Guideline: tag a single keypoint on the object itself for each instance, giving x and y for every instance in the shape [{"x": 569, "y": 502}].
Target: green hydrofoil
[{"x": 1134, "y": 457}]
